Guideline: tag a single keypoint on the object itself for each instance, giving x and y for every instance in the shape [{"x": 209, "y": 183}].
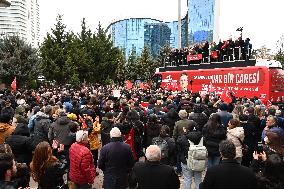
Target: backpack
[
  {"x": 197, "y": 156},
  {"x": 163, "y": 145}
]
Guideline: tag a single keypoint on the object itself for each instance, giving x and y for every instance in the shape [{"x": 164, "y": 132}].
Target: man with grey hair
[
  {"x": 153, "y": 153},
  {"x": 116, "y": 161},
  {"x": 82, "y": 169},
  {"x": 228, "y": 174},
  {"x": 144, "y": 173}
]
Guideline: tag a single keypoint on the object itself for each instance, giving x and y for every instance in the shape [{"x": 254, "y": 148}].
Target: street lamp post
[
  {"x": 179, "y": 24},
  {"x": 4, "y": 3}
]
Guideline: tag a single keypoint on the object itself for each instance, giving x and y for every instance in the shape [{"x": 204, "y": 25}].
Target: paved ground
[{"x": 98, "y": 182}]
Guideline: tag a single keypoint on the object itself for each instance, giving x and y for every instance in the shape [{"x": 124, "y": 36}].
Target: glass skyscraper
[
  {"x": 200, "y": 24},
  {"x": 21, "y": 19},
  {"x": 202, "y": 20},
  {"x": 135, "y": 33}
]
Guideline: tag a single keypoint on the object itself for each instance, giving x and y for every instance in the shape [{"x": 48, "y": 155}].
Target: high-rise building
[
  {"x": 21, "y": 19},
  {"x": 201, "y": 23},
  {"x": 131, "y": 35}
]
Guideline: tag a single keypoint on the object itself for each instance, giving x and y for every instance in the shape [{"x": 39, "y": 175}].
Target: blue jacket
[
  {"x": 274, "y": 129},
  {"x": 225, "y": 117}
]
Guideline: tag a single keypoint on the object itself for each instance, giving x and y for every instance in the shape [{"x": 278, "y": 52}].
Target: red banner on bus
[
  {"x": 191, "y": 57},
  {"x": 261, "y": 82}
]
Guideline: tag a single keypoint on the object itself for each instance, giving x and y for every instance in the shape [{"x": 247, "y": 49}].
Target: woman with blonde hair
[{"x": 46, "y": 170}]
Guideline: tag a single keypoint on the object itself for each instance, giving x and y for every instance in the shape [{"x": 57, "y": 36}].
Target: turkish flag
[
  {"x": 225, "y": 96},
  {"x": 14, "y": 84}
]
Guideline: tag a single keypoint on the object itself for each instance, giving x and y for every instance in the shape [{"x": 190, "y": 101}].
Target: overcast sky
[{"x": 262, "y": 19}]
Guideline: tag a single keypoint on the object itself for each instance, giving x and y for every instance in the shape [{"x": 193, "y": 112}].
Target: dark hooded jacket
[
  {"x": 20, "y": 143},
  {"x": 59, "y": 130},
  {"x": 198, "y": 116},
  {"x": 170, "y": 118},
  {"x": 41, "y": 127}
]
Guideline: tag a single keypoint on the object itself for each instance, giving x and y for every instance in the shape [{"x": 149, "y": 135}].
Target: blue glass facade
[
  {"x": 135, "y": 33},
  {"x": 201, "y": 20}
]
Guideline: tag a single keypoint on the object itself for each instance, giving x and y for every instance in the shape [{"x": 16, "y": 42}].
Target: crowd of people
[
  {"x": 142, "y": 139},
  {"x": 228, "y": 50}
]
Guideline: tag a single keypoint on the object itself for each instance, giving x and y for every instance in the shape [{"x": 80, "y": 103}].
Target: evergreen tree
[
  {"x": 280, "y": 47},
  {"x": 18, "y": 59},
  {"x": 53, "y": 53},
  {"x": 104, "y": 56},
  {"x": 146, "y": 65},
  {"x": 87, "y": 56}
]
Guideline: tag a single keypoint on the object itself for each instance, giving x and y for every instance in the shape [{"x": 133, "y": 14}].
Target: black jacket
[
  {"x": 153, "y": 175},
  {"x": 116, "y": 161},
  {"x": 41, "y": 127},
  {"x": 59, "y": 130},
  {"x": 53, "y": 177},
  {"x": 21, "y": 147},
  {"x": 106, "y": 127},
  {"x": 170, "y": 160},
  {"x": 212, "y": 140},
  {"x": 200, "y": 118},
  {"x": 21, "y": 144},
  {"x": 229, "y": 174},
  {"x": 7, "y": 185},
  {"x": 170, "y": 118},
  {"x": 152, "y": 130}
]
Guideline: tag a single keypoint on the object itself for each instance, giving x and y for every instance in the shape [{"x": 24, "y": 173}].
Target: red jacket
[{"x": 82, "y": 169}]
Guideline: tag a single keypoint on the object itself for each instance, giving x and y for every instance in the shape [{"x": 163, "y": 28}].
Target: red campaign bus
[{"x": 263, "y": 79}]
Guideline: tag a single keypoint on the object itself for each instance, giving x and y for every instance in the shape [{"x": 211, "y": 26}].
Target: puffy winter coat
[
  {"x": 234, "y": 135},
  {"x": 82, "y": 169}
]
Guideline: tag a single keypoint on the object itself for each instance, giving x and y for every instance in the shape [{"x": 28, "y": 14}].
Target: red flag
[
  {"x": 141, "y": 85},
  {"x": 214, "y": 54},
  {"x": 225, "y": 96},
  {"x": 147, "y": 86},
  {"x": 84, "y": 125},
  {"x": 128, "y": 84},
  {"x": 14, "y": 85}
]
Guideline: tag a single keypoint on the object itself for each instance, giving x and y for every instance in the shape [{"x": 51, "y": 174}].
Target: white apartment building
[{"x": 22, "y": 19}]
